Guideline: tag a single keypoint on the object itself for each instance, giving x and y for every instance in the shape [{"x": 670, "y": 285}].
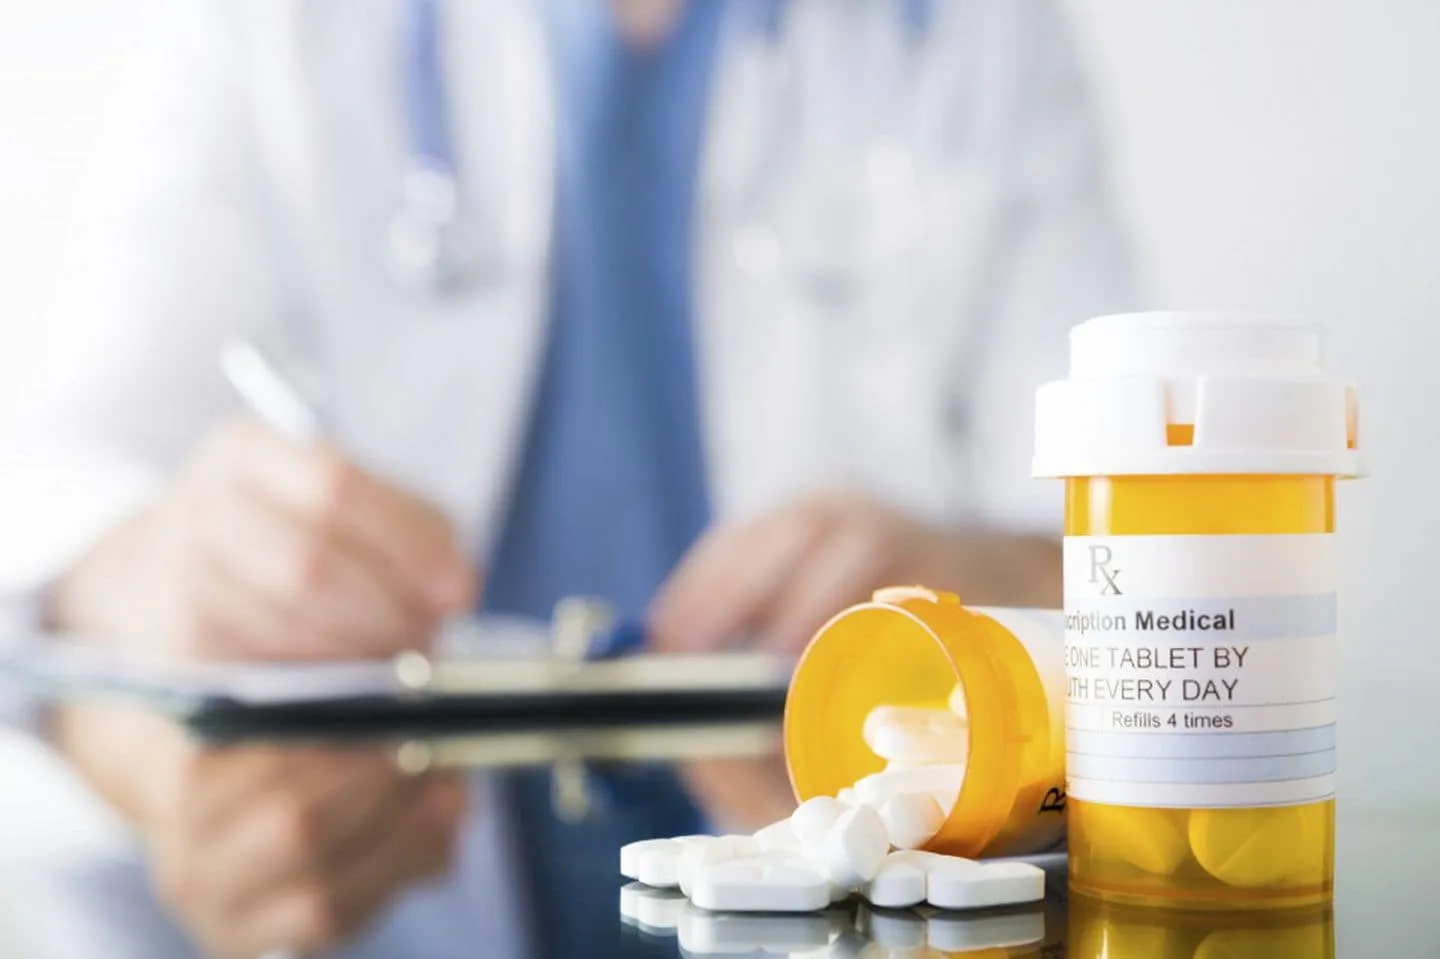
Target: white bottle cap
[{"x": 1250, "y": 384}]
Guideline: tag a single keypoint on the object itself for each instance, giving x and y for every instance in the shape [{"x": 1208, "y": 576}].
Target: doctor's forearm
[{"x": 1001, "y": 569}]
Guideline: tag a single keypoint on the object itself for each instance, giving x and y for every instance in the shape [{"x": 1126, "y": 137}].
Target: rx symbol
[{"x": 1100, "y": 571}]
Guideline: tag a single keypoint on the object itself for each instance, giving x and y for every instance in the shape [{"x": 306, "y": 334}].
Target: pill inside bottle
[{"x": 926, "y": 709}]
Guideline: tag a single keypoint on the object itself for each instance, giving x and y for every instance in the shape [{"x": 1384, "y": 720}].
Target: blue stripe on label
[
  {"x": 1256, "y": 617},
  {"x": 1146, "y": 745},
  {"x": 1190, "y": 770}
]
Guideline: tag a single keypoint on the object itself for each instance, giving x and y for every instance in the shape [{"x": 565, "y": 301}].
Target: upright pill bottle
[
  {"x": 1001, "y": 669},
  {"x": 1200, "y": 453}
]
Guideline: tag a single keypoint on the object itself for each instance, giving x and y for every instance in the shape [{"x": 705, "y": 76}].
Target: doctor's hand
[
  {"x": 260, "y": 847},
  {"x": 266, "y": 547},
  {"x": 777, "y": 578}
]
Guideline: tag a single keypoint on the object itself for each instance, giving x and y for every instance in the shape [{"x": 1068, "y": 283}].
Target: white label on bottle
[{"x": 1200, "y": 670}]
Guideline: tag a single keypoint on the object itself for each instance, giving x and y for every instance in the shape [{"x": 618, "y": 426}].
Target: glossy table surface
[
  {"x": 1385, "y": 905},
  {"x": 75, "y": 881}
]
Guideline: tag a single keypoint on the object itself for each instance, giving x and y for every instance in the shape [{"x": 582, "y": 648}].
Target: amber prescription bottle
[
  {"x": 1001, "y": 669},
  {"x": 1200, "y": 452}
]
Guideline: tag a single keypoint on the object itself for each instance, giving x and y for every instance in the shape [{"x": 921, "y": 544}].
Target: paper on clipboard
[
  {"x": 60, "y": 666},
  {"x": 493, "y": 659}
]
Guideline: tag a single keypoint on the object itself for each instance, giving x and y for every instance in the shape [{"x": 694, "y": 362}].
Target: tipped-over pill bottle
[
  {"x": 990, "y": 681},
  {"x": 1200, "y": 453}
]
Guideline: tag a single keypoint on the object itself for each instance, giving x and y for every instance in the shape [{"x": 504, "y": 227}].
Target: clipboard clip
[{"x": 582, "y": 629}]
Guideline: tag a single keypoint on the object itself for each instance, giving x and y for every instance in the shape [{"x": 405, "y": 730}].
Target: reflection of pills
[
  {"x": 982, "y": 936},
  {"x": 1313, "y": 940},
  {"x": 703, "y": 933},
  {"x": 1149, "y": 839},
  {"x": 1255, "y": 847},
  {"x": 894, "y": 930},
  {"x": 657, "y": 910}
]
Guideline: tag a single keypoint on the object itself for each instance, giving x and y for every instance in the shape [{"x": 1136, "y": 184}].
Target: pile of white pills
[{"x": 863, "y": 841}]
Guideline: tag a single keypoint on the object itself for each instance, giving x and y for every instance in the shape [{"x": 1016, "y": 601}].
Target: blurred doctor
[{"x": 727, "y": 312}]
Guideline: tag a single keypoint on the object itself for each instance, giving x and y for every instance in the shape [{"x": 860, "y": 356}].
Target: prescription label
[{"x": 1200, "y": 670}]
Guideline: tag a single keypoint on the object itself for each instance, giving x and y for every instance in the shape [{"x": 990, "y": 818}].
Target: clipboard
[{"x": 486, "y": 673}]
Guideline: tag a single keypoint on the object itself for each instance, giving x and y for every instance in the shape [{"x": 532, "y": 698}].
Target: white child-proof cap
[{"x": 1251, "y": 385}]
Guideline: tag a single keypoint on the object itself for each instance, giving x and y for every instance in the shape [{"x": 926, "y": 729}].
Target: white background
[
  {"x": 1280, "y": 154},
  {"x": 1285, "y": 155}
]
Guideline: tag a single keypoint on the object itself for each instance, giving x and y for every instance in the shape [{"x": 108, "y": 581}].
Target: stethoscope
[
  {"x": 437, "y": 243},
  {"x": 431, "y": 246}
]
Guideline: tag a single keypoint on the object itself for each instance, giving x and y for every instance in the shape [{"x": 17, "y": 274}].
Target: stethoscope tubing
[{"x": 427, "y": 249}]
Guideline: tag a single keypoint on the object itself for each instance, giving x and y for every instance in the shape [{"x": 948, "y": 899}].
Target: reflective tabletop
[{"x": 533, "y": 871}]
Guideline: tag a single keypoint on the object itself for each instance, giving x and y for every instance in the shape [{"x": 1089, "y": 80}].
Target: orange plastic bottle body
[
  {"x": 1246, "y": 857},
  {"x": 914, "y": 647}
]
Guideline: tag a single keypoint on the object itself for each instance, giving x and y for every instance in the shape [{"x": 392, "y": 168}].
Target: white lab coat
[{"x": 250, "y": 179}]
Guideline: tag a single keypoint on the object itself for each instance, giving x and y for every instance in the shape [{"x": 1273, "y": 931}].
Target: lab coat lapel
[
  {"x": 511, "y": 148},
  {"x": 481, "y": 363},
  {"x": 757, "y": 380},
  {"x": 817, "y": 367},
  {"x": 430, "y": 391}
]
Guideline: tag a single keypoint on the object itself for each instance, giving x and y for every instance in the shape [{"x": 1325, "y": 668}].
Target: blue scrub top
[{"x": 611, "y": 490}]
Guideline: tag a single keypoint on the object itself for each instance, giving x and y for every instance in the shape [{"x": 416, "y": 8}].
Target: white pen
[{"x": 266, "y": 391}]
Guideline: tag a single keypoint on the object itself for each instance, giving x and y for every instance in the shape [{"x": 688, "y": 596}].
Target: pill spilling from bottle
[{"x": 866, "y": 840}]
